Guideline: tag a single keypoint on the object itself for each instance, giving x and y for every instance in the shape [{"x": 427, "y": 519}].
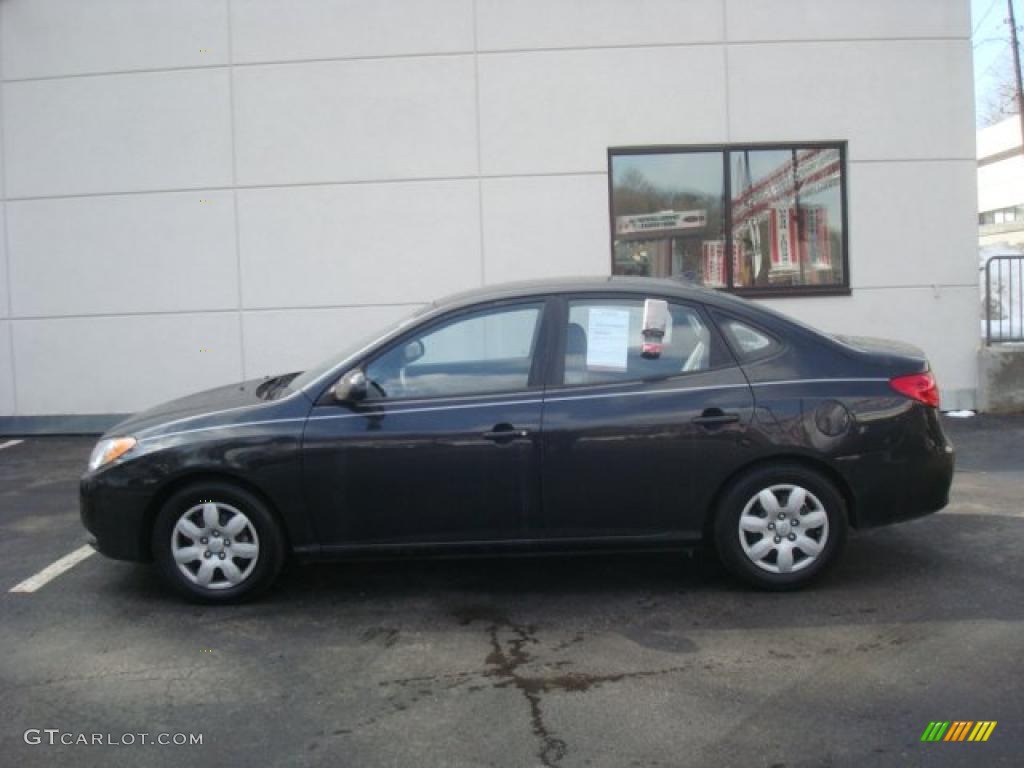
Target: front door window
[{"x": 480, "y": 353}]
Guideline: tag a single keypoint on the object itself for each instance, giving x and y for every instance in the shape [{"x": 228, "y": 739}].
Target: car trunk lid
[{"x": 897, "y": 357}]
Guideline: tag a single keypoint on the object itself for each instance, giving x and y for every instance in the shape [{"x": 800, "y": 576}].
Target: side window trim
[{"x": 534, "y": 381}]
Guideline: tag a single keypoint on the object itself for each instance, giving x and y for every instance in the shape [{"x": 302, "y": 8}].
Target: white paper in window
[{"x": 607, "y": 339}]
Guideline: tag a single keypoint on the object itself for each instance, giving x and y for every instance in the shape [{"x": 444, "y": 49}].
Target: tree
[{"x": 1001, "y": 99}]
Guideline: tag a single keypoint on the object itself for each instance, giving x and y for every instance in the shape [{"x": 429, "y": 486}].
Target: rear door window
[{"x": 604, "y": 342}]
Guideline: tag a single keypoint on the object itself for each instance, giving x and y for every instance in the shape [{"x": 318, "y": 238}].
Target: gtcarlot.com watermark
[{"x": 55, "y": 736}]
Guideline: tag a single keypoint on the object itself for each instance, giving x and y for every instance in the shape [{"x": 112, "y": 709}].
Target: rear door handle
[
  {"x": 504, "y": 433},
  {"x": 714, "y": 417}
]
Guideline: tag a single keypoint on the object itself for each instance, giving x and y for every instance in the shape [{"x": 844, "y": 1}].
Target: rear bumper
[
  {"x": 892, "y": 486},
  {"x": 116, "y": 518}
]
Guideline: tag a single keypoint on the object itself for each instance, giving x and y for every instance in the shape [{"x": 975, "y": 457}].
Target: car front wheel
[
  {"x": 780, "y": 527},
  {"x": 217, "y": 543}
]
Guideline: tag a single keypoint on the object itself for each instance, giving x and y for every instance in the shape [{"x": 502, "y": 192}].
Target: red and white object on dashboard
[{"x": 918, "y": 386}]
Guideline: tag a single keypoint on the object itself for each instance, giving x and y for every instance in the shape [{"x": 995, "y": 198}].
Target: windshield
[{"x": 349, "y": 350}]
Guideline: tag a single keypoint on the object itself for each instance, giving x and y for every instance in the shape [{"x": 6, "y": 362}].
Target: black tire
[
  {"x": 727, "y": 534},
  {"x": 268, "y": 537}
]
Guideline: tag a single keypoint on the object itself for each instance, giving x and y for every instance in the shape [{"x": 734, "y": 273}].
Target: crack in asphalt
[
  {"x": 505, "y": 663},
  {"x": 503, "y": 666}
]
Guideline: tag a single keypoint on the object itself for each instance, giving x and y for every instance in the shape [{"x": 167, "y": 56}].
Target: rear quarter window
[{"x": 748, "y": 342}]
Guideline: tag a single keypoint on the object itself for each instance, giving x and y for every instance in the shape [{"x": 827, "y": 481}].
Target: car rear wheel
[
  {"x": 218, "y": 543},
  {"x": 780, "y": 527}
]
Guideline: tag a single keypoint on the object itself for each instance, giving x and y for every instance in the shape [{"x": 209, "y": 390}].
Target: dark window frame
[{"x": 842, "y": 289}]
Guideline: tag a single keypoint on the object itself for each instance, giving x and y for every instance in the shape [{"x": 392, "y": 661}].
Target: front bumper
[{"x": 116, "y": 517}]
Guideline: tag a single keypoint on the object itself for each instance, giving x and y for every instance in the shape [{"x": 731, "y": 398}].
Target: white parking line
[
  {"x": 52, "y": 571},
  {"x": 10, "y": 444}
]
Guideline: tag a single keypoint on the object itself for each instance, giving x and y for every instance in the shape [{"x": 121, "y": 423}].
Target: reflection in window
[
  {"x": 787, "y": 217},
  {"x": 666, "y": 205},
  {"x": 781, "y": 227}
]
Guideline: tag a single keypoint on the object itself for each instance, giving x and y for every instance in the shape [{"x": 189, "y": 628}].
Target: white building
[
  {"x": 1001, "y": 184},
  {"x": 200, "y": 191},
  {"x": 1001, "y": 233}
]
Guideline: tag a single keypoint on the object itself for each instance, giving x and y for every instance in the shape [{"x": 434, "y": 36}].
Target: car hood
[{"x": 205, "y": 403}]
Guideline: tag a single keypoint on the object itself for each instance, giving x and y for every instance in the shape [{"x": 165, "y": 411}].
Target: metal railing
[{"x": 1004, "y": 298}]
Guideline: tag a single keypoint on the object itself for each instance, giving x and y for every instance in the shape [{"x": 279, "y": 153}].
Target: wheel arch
[
  {"x": 818, "y": 465},
  {"x": 175, "y": 484}
]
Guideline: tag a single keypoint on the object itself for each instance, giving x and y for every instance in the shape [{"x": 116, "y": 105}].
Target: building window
[
  {"x": 777, "y": 211},
  {"x": 1001, "y": 216}
]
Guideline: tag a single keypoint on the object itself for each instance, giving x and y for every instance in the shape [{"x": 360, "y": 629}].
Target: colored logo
[{"x": 958, "y": 730}]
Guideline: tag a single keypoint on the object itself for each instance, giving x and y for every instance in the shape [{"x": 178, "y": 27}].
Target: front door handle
[
  {"x": 715, "y": 417},
  {"x": 505, "y": 433}
]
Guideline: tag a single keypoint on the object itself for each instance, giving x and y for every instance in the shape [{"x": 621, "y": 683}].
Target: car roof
[
  {"x": 614, "y": 284},
  {"x": 618, "y": 284}
]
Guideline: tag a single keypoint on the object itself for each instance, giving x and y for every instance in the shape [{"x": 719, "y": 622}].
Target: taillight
[{"x": 918, "y": 386}]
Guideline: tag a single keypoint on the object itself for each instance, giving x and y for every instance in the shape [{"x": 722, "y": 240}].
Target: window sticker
[{"x": 607, "y": 339}]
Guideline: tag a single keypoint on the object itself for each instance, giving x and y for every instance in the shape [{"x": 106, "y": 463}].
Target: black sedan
[{"x": 622, "y": 413}]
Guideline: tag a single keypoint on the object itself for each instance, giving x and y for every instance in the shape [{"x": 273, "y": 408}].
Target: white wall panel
[
  {"x": 893, "y": 100},
  {"x": 944, "y": 323},
  {"x": 356, "y": 120},
  {"x": 559, "y": 111},
  {"x": 545, "y": 227},
  {"x": 568, "y": 23},
  {"x": 913, "y": 223},
  {"x": 270, "y": 30},
  {"x": 45, "y": 38},
  {"x": 846, "y": 19},
  {"x": 6, "y": 371},
  {"x": 117, "y": 133},
  {"x": 358, "y": 243},
  {"x": 4, "y": 305},
  {"x": 122, "y": 364},
  {"x": 123, "y": 253},
  {"x": 283, "y": 340}
]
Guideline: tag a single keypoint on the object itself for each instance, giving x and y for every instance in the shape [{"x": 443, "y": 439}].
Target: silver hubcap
[
  {"x": 215, "y": 545},
  {"x": 783, "y": 528}
]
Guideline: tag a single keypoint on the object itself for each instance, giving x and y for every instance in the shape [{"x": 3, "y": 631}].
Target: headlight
[{"x": 108, "y": 450}]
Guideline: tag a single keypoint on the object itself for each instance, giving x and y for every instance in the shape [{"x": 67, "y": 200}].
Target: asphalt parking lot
[{"x": 596, "y": 661}]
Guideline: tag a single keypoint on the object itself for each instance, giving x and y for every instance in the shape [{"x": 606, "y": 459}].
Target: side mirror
[
  {"x": 412, "y": 352},
  {"x": 352, "y": 387}
]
